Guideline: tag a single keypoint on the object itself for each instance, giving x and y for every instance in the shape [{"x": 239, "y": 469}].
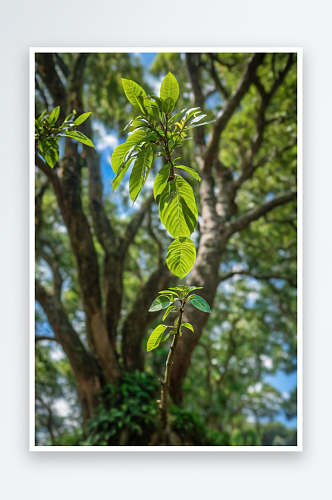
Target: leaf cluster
[
  {"x": 156, "y": 132},
  {"x": 47, "y": 134},
  {"x": 174, "y": 300}
]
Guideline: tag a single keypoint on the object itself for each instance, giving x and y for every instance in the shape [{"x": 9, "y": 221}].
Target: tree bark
[
  {"x": 138, "y": 319},
  {"x": 217, "y": 225},
  {"x": 82, "y": 363}
]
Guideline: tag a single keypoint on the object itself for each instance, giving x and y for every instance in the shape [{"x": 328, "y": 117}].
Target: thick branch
[
  {"x": 155, "y": 238},
  {"x": 62, "y": 65},
  {"x": 222, "y": 89},
  {"x": 137, "y": 321},
  {"x": 257, "y": 276},
  {"x": 225, "y": 115},
  {"x": 75, "y": 84},
  {"x": 249, "y": 168},
  {"x": 245, "y": 219},
  {"x": 134, "y": 225},
  {"x": 81, "y": 362},
  {"x": 101, "y": 222},
  {"x": 46, "y": 68},
  {"x": 194, "y": 69},
  {"x": 50, "y": 174}
]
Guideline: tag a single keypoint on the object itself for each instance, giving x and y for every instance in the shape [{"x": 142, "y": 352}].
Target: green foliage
[
  {"x": 200, "y": 303},
  {"x": 47, "y": 134},
  {"x": 181, "y": 255},
  {"x": 167, "y": 299},
  {"x": 252, "y": 328},
  {"x": 140, "y": 172},
  {"x": 189, "y": 427},
  {"x": 127, "y": 414},
  {"x": 156, "y": 134},
  {"x": 161, "y": 303},
  {"x": 177, "y": 208},
  {"x": 276, "y": 434},
  {"x": 156, "y": 337},
  {"x": 169, "y": 88}
]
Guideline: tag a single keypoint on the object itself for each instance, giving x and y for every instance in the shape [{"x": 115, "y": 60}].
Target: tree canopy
[{"x": 100, "y": 260}]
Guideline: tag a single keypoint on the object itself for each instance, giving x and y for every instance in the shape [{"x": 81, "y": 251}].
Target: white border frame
[{"x": 32, "y": 446}]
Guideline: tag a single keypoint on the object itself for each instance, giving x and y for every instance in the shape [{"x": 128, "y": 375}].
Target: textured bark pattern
[
  {"x": 100, "y": 365},
  {"x": 135, "y": 324},
  {"x": 218, "y": 223}
]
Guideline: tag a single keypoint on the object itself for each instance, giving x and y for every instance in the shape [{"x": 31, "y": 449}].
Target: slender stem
[{"x": 167, "y": 378}]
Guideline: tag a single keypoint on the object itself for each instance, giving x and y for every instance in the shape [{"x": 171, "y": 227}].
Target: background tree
[{"x": 100, "y": 264}]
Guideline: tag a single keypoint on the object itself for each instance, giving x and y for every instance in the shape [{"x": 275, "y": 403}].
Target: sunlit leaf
[
  {"x": 120, "y": 151},
  {"x": 155, "y": 337},
  {"x": 177, "y": 208},
  {"x": 181, "y": 255},
  {"x": 79, "y": 137},
  {"x": 169, "y": 310},
  {"x": 82, "y": 118},
  {"x": 169, "y": 88},
  {"x": 160, "y": 303},
  {"x": 188, "y": 325},
  {"x": 168, "y": 105},
  {"x": 143, "y": 164},
  {"x": 191, "y": 171},
  {"x": 133, "y": 91},
  {"x": 161, "y": 180},
  {"x": 54, "y": 115}
]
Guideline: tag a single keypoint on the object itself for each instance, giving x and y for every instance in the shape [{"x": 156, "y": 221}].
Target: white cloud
[{"x": 104, "y": 139}]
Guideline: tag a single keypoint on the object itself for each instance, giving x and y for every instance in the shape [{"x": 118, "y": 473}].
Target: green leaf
[
  {"x": 174, "y": 117},
  {"x": 181, "y": 255},
  {"x": 150, "y": 106},
  {"x": 129, "y": 125},
  {"x": 121, "y": 173},
  {"x": 200, "y": 303},
  {"x": 191, "y": 171},
  {"x": 188, "y": 325},
  {"x": 191, "y": 288},
  {"x": 197, "y": 119},
  {"x": 50, "y": 151},
  {"x": 200, "y": 124},
  {"x": 177, "y": 208},
  {"x": 120, "y": 151},
  {"x": 169, "y": 292},
  {"x": 155, "y": 337},
  {"x": 42, "y": 116},
  {"x": 191, "y": 112},
  {"x": 160, "y": 303},
  {"x": 79, "y": 137},
  {"x": 161, "y": 180},
  {"x": 151, "y": 137},
  {"x": 140, "y": 171},
  {"x": 133, "y": 91},
  {"x": 54, "y": 115},
  {"x": 169, "y": 310},
  {"x": 169, "y": 88},
  {"x": 68, "y": 118},
  {"x": 165, "y": 336},
  {"x": 158, "y": 101},
  {"x": 168, "y": 105},
  {"x": 82, "y": 118}
]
